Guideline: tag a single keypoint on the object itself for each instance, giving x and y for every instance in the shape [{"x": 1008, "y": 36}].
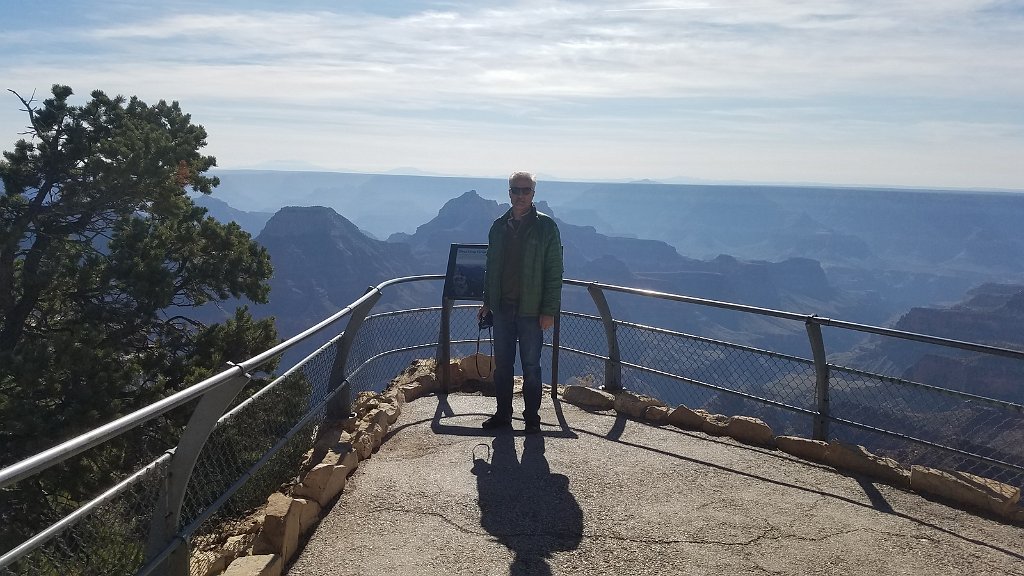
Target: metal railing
[
  {"x": 156, "y": 517},
  {"x": 911, "y": 421}
]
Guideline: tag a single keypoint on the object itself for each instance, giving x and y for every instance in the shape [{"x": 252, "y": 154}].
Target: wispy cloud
[{"x": 666, "y": 73}]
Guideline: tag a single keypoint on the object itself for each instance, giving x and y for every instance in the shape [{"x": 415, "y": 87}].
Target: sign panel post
[{"x": 464, "y": 280}]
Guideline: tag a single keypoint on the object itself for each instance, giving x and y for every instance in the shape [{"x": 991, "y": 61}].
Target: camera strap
[{"x": 476, "y": 357}]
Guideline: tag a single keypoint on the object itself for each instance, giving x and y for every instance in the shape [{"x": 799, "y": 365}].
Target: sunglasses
[{"x": 521, "y": 191}]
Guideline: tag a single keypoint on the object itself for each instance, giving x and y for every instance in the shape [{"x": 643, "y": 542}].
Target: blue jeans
[{"x": 510, "y": 330}]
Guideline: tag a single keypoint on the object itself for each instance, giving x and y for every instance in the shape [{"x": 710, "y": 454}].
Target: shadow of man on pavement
[{"x": 523, "y": 505}]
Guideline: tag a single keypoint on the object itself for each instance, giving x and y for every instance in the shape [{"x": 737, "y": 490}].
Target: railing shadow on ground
[
  {"x": 233, "y": 454},
  {"x": 616, "y": 425},
  {"x": 876, "y": 499}
]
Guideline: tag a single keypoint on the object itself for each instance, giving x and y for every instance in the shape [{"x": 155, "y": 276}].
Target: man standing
[{"x": 523, "y": 288}]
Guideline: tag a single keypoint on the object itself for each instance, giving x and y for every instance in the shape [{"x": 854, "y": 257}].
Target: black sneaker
[
  {"x": 496, "y": 421},
  {"x": 532, "y": 428}
]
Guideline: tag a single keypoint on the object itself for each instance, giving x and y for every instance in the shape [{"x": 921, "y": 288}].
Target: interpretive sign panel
[{"x": 465, "y": 277}]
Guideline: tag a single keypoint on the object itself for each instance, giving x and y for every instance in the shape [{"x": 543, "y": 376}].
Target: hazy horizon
[{"x": 407, "y": 171}]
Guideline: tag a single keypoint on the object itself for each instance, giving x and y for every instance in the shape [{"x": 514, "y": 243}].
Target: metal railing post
[
  {"x": 612, "y": 366},
  {"x": 443, "y": 357},
  {"x": 167, "y": 512},
  {"x": 821, "y": 377},
  {"x": 555, "y": 339},
  {"x": 341, "y": 405}
]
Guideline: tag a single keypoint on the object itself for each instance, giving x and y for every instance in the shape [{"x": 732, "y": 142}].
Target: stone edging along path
[{"x": 264, "y": 544}]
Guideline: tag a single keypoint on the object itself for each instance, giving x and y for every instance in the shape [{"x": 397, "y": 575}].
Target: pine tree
[{"x": 104, "y": 260}]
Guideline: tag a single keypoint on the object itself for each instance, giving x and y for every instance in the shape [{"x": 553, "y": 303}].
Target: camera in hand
[{"x": 487, "y": 320}]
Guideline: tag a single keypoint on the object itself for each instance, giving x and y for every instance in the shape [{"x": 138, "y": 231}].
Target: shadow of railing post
[
  {"x": 341, "y": 406},
  {"x": 821, "y": 379},
  {"x": 612, "y": 366}
]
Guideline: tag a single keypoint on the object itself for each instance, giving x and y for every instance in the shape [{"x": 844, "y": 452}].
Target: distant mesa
[
  {"x": 856, "y": 254},
  {"x": 992, "y": 314},
  {"x": 251, "y": 222},
  {"x": 322, "y": 263}
]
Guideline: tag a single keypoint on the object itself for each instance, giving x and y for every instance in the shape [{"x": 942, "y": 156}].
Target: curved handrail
[
  {"x": 261, "y": 359},
  {"x": 357, "y": 310},
  {"x": 812, "y": 318},
  {"x": 53, "y": 456},
  {"x": 74, "y": 446}
]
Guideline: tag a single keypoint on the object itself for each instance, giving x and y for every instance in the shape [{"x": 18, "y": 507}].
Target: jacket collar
[{"x": 528, "y": 217}]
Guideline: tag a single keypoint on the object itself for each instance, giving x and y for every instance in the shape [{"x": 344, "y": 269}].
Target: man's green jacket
[{"x": 541, "y": 290}]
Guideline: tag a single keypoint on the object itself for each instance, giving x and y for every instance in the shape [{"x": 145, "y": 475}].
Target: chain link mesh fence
[
  {"x": 914, "y": 423},
  {"x": 107, "y": 539},
  {"x": 241, "y": 440},
  {"x": 112, "y": 538}
]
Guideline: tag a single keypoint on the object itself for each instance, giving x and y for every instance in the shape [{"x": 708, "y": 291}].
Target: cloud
[
  {"x": 720, "y": 71},
  {"x": 568, "y": 50}
]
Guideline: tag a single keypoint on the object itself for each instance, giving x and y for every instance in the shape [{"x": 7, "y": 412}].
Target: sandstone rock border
[
  {"x": 341, "y": 446},
  {"x": 337, "y": 451},
  {"x": 958, "y": 488}
]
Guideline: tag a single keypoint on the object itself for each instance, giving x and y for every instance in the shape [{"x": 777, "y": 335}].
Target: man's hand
[
  {"x": 481, "y": 312},
  {"x": 546, "y": 321}
]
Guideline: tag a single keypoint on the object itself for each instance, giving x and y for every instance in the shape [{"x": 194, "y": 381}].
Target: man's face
[{"x": 521, "y": 194}]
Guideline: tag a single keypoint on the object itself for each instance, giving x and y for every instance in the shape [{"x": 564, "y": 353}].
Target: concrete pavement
[{"x": 596, "y": 493}]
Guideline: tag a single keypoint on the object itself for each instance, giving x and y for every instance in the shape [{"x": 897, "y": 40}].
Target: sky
[{"x": 847, "y": 92}]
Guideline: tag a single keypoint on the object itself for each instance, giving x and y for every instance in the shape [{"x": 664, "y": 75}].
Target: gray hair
[{"x": 521, "y": 175}]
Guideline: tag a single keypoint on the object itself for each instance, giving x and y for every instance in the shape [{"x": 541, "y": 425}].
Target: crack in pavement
[
  {"x": 768, "y": 532},
  {"x": 592, "y": 536}
]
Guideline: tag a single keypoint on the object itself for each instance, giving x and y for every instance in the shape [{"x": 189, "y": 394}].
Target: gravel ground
[{"x": 598, "y": 494}]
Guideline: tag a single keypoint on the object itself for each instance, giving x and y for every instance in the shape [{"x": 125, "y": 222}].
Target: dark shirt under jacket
[{"x": 512, "y": 270}]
